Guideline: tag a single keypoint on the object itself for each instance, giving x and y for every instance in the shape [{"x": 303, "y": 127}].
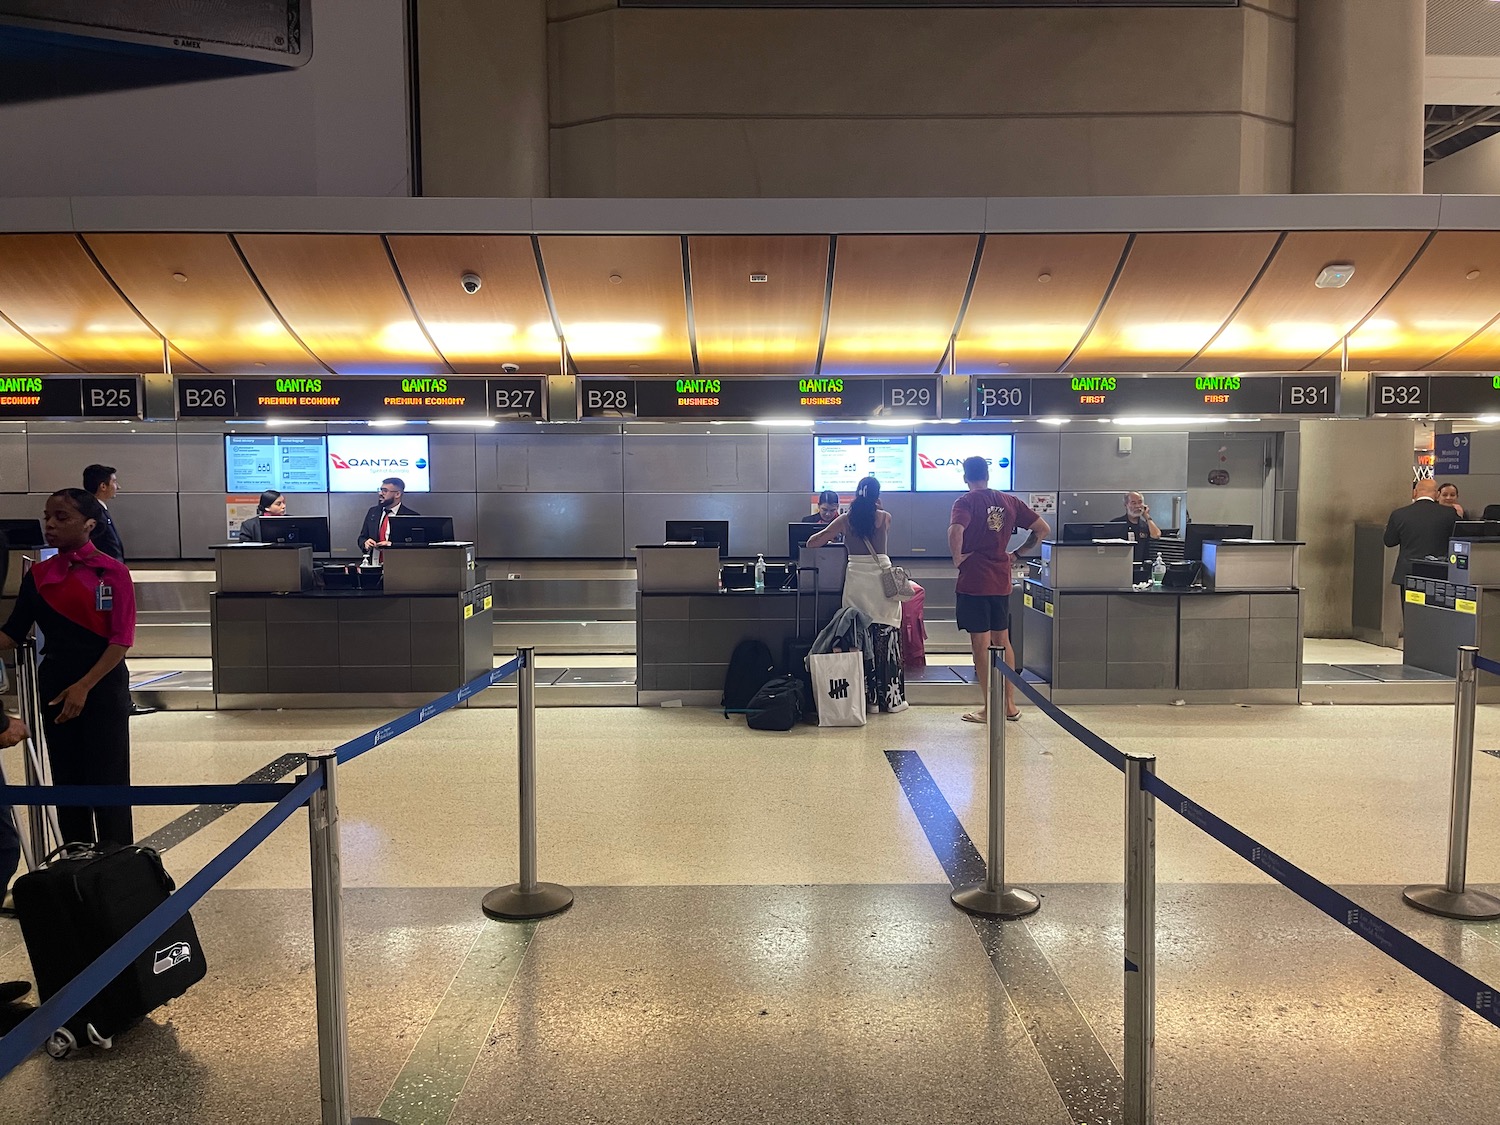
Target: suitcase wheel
[
  {"x": 61, "y": 1044},
  {"x": 104, "y": 1042}
]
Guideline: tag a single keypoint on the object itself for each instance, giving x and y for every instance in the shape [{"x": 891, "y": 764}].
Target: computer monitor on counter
[{"x": 703, "y": 532}]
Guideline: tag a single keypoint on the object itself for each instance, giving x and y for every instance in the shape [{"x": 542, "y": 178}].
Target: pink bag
[{"x": 913, "y": 631}]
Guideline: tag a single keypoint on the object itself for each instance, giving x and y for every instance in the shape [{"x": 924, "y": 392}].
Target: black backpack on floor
[
  {"x": 779, "y": 705},
  {"x": 750, "y": 666}
]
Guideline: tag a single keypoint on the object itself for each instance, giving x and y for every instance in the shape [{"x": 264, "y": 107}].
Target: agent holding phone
[{"x": 84, "y": 602}]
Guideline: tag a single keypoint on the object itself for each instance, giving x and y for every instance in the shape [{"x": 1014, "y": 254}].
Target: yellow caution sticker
[
  {"x": 1027, "y": 599},
  {"x": 1047, "y": 609},
  {"x": 488, "y": 601},
  {"x": 1416, "y": 597},
  {"x": 468, "y": 611},
  {"x": 1463, "y": 605}
]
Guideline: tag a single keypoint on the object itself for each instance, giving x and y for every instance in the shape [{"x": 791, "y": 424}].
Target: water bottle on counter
[
  {"x": 760, "y": 574},
  {"x": 1158, "y": 570}
]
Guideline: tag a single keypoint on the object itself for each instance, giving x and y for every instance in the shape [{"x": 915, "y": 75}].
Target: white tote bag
[{"x": 838, "y": 683}]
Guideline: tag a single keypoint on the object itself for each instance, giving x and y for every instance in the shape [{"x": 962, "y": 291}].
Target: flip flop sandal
[
  {"x": 1016, "y": 718},
  {"x": 973, "y": 717}
]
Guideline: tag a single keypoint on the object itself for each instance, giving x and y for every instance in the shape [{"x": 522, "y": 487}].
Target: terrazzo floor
[{"x": 762, "y": 930}]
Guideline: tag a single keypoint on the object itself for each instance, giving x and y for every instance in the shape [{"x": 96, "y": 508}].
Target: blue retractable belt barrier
[
  {"x": 1484, "y": 664},
  {"x": 371, "y": 739},
  {"x": 36, "y": 1028},
  {"x": 107, "y": 796},
  {"x": 1432, "y": 967},
  {"x": 1435, "y": 969}
]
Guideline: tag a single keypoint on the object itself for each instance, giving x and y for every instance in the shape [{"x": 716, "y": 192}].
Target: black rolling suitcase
[{"x": 77, "y": 905}]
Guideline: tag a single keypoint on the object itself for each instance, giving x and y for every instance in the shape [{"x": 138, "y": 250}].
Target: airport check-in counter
[
  {"x": 687, "y": 623},
  {"x": 276, "y": 633},
  {"x": 1095, "y": 638},
  {"x": 1461, "y": 608}
]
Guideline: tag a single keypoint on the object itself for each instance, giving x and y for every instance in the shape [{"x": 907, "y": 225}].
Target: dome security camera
[
  {"x": 471, "y": 282},
  {"x": 510, "y": 368}
]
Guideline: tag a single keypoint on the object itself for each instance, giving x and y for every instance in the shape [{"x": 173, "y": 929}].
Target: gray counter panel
[{"x": 14, "y": 473}]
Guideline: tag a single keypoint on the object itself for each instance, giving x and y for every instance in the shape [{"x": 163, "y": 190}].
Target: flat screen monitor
[
  {"x": 1088, "y": 532},
  {"x": 285, "y": 462},
  {"x": 840, "y": 462},
  {"x": 359, "y": 462},
  {"x": 418, "y": 530},
  {"x": 312, "y": 530},
  {"x": 940, "y": 460},
  {"x": 797, "y": 535},
  {"x": 23, "y": 535},
  {"x": 703, "y": 532},
  {"x": 1197, "y": 532}
]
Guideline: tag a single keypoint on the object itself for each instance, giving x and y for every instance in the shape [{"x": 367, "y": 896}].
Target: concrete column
[
  {"x": 1349, "y": 471},
  {"x": 482, "y": 76},
  {"x": 1359, "y": 96}
]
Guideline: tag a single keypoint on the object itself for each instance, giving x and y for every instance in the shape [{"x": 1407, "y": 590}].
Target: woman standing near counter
[
  {"x": 84, "y": 603},
  {"x": 271, "y": 503},
  {"x": 865, "y": 528}
]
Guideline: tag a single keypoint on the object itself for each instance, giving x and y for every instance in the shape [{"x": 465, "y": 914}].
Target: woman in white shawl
[{"x": 865, "y": 528}]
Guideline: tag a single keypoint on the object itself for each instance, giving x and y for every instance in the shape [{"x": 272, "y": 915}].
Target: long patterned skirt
[{"x": 885, "y": 680}]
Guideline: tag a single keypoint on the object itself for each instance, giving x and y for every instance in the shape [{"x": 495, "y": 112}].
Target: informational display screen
[
  {"x": 840, "y": 462},
  {"x": 285, "y": 462},
  {"x": 359, "y": 462},
  {"x": 940, "y": 460},
  {"x": 367, "y": 398},
  {"x": 745, "y": 400},
  {"x": 67, "y": 396},
  {"x": 1187, "y": 396},
  {"x": 1463, "y": 396}
]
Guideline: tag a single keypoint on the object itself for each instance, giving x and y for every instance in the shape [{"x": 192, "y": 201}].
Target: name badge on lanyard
[{"x": 104, "y": 598}]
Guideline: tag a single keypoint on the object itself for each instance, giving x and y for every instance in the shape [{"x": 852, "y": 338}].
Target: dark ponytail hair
[
  {"x": 862, "y": 511},
  {"x": 267, "y": 498},
  {"x": 86, "y": 502}
]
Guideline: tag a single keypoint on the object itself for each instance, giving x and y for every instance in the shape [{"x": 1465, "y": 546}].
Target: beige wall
[
  {"x": 861, "y": 102},
  {"x": 1470, "y": 171}
]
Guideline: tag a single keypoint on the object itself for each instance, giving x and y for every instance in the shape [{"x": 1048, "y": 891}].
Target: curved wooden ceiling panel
[
  {"x": 1034, "y": 298},
  {"x": 1175, "y": 292},
  {"x": 214, "y": 313},
  {"x": 507, "y": 321},
  {"x": 1287, "y": 322},
  {"x": 895, "y": 301},
  {"x": 17, "y": 353},
  {"x": 341, "y": 297},
  {"x": 746, "y": 327},
  {"x": 52, "y": 290},
  {"x": 1434, "y": 309},
  {"x": 621, "y": 302}
]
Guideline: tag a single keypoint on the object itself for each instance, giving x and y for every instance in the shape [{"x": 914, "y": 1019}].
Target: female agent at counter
[
  {"x": 866, "y": 528},
  {"x": 271, "y": 503},
  {"x": 84, "y": 603}
]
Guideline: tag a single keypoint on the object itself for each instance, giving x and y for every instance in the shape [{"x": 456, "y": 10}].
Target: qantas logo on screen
[
  {"x": 930, "y": 462},
  {"x": 374, "y": 462}
]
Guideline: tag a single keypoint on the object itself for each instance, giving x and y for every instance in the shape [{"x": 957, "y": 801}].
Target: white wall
[
  {"x": 1471, "y": 171},
  {"x": 336, "y": 126}
]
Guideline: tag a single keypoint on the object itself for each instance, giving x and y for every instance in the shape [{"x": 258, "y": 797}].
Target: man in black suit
[
  {"x": 1420, "y": 529},
  {"x": 375, "y": 533},
  {"x": 100, "y": 482}
]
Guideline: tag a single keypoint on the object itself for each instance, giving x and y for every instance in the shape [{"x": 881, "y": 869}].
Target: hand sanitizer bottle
[
  {"x": 1158, "y": 570},
  {"x": 760, "y": 573}
]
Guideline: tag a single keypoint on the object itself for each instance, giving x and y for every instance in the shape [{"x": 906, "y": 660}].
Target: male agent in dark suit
[
  {"x": 101, "y": 482},
  {"x": 376, "y": 530},
  {"x": 1421, "y": 528}
]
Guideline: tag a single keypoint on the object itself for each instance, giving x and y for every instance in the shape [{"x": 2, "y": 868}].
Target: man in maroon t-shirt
[{"x": 979, "y": 531}]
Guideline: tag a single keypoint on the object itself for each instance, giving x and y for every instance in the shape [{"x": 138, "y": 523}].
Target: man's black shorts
[{"x": 983, "y": 613}]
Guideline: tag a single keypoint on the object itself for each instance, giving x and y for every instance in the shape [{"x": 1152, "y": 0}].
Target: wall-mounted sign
[
  {"x": 69, "y": 396},
  {"x": 746, "y": 400},
  {"x": 1450, "y": 455},
  {"x": 1461, "y": 396},
  {"x": 1186, "y": 396},
  {"x": 361, "y": 398}
]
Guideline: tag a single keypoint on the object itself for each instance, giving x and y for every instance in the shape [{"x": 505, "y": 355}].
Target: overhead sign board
[
  {"x": 1186, "y": 396},
  {"x": 1461, "y": 396},
  {"x": 361, "y": 398},
  {"x": 69, "y": 396},
  {"x": 750, "y": 399}
]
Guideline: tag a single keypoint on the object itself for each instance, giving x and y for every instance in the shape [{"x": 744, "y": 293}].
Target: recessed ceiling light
[
  {"x": 1472, "y": 275},
  {"x": 615, "y": 279},
  {"x": 1335, "y": 276},
  {"x": 759, "y": 278},
  {"x": 1044, "y": 278},
  {"x": 179, "y": 277}
]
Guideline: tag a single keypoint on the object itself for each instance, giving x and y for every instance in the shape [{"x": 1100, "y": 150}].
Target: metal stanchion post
[
  {"x": 1453, "y": 899},
  {"x": 527, "y": 898},
  {"x": 328, "y": 945},
  {"x": 1140, "y": 942},
  {"x": 993, "y": 897},
  {"x": 42, "y": 832}
]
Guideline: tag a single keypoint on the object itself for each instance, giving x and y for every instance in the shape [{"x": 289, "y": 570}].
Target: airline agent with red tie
[
  {"x": 84, "y": 603},
  {"x": 376, "y": 531}
]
